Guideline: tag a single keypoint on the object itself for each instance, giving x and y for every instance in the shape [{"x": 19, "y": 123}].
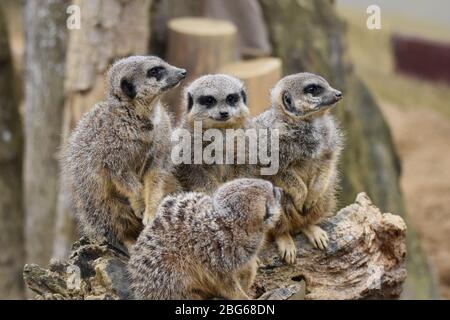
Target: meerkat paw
[
  {"x": 138, "y": 207},
  {"x": 287, "y": 248},
  {"x": 148, "y": 216},
  {"x": 309, "y": 203},
  {"x": 317, "y": 236},
  {"x": 298, "y": 203}
]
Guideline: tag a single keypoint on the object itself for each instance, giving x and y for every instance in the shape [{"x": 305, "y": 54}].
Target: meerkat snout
[
  {"x": 304, "y": 94},
  {"x": 217, "y": 101},
  {"x": 142, "y": 79}
]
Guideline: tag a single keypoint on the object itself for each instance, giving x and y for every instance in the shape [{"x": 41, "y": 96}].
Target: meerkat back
[{"x": 201, "y": 247}]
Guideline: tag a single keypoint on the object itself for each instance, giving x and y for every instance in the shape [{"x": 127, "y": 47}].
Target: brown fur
[
  {"x": 310, "y": 145},
  {"x": 116, "y": 159},
  {"x": 201, "y": 247}
]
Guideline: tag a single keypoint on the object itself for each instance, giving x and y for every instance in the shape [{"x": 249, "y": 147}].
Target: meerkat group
[{"x": 194, "y": 231}]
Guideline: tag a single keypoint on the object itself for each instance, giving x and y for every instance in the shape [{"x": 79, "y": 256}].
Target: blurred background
[{"x": 391, "y": 61}]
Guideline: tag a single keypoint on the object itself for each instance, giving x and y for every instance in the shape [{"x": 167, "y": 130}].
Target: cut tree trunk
[
  {"x": 365, "y": 260},
  {"x": 46, "y": 35},
  {"x": 110, "y": 29},
  {"x": 11, "y": 213},
  {"x": 259, "y": 75}
]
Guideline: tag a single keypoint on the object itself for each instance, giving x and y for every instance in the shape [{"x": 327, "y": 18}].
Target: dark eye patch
[
  {"x": 156, "y": 72},
  {"x": 128, "y": 88},
  {"x": 207, "y": 101},
  {"x": 232, "y": 99},
  {"x": 287, "y": 101},
  {"x": 244, "y": 96},
  {"x": 190, "y": 102},
  {"x": 313, "y": 89}
]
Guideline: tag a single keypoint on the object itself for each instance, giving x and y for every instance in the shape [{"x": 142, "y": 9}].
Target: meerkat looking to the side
[
  {"x": 309, "y": 148},
  {"x": 216, "y": 102},
  {"x": 202, "y": 247},
  {"x": 116, "y": 159}
]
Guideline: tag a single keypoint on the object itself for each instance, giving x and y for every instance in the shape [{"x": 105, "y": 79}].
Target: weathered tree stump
[
  {"x": 201, "y": 45},
  {"x": 365, "y": 260},
  {"x": 260, "y": 76}
]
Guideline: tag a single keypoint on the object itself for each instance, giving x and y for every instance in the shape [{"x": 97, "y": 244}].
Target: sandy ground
[{"x": 422, "y": 138}]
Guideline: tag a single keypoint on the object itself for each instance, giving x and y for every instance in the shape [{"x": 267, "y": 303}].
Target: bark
[
  {"x": 11, "y": 211},
  {"x": 308, "y": 36},
  {"x": 46, "y": 35},
  {"x": 365, "y": 260},
  {"x": 110, "y": 29}
]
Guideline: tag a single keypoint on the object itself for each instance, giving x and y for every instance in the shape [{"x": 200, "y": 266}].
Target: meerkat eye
[
  {"x": 155, "y": 72},
  {"x": 232, "y": 99},
  {"x": 207, "y": 101},
  {"x": 287, "y": 100},
  {"x": 313, "y": 89}
]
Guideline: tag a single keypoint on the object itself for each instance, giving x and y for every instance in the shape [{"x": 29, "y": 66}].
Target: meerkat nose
[
  {"x": 183, "y": 73},
  {"x": 338, "y": 94}
]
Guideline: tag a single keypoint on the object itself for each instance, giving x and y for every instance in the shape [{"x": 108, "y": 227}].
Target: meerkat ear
[
  {"x": 128, "y": 88},
  {"x": 244, "y": 96},
  {"x": 190, "y": 102}
]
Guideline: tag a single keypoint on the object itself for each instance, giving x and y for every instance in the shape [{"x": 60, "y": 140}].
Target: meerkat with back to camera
[
  {"x": 117, "y": 158},
  {"x": 216, "y": 102},
  {"x": 203, "y": 247},
  {"x": 310, "y": 145}
]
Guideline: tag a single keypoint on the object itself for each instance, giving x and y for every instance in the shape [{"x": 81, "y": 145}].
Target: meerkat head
[
  {"x": 218, "y": 101},
  {"x": 304, "y": 95},
  {"x": 142, "y": 79},
  {"x": 252, "y": 204}
]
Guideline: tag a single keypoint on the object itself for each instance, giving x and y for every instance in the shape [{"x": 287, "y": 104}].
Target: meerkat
[
  {"x": 202, "y": 247},
  {"x": 309, "y": 148},
  {"x": 215, "y": 102},
  {"x": 116, "y": 159}
]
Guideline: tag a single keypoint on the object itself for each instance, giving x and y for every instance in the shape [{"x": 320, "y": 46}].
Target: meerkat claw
[
  {"x": 287, "y": 248},
  {"x": 317, "y": 236}
]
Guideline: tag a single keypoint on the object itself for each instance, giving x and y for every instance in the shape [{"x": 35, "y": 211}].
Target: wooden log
[
  {"x": 365, "y": 260},
  {"x": 201, "y": 46},
  {"x": 259, "y": 75}
]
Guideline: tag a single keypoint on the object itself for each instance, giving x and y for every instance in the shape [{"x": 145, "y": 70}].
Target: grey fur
[
  {"x": 207, "y": 177},
  {"x": 115, "y": 145},
  {"x": 200, "y": 247},
  {"x": 310, "y": 146}
]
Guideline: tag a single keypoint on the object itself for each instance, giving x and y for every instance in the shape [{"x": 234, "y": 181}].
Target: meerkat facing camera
[
  {"x": 310, "y": 145},
  {"x": 217, "y": 102},
  {"x": 116, "y": 159},
  {"x": 202, "y": 247}
]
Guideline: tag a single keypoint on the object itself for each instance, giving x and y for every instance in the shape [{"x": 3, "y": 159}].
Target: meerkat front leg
[
  {"x": 317, "y": 236},
  {"x": 293, "y": 186},
  {"x": 129, "y": 185},
  {"x": 317, "y": 187},
  {"x": 153, "y": 193}
]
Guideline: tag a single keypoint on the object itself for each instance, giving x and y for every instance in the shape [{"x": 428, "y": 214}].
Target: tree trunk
[
  {"x": 307, "y": 36},
  {"x": 365, "y": 259},
  {"x": 46, "y": 34},
  {"x": 110, "y": 29},
  {"x": 11, "y": 213}
]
